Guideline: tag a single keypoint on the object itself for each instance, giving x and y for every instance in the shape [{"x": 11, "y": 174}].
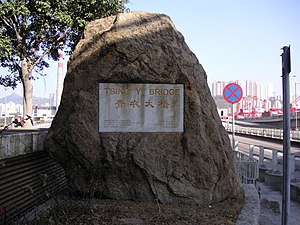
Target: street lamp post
[
  {"x": 296, "y": 125},
  {"x": 286, "y": 191}
]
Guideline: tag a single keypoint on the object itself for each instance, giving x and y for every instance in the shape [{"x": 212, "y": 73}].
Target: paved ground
[
  {"x": 270, "y": 204},
  {"x": 271, "y": 201}
]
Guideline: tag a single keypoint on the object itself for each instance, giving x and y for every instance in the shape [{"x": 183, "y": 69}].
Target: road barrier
[{"x": 264, "y": 132}]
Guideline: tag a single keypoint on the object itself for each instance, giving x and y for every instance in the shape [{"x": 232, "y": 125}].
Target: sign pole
[
  {"x": 232, "y": 93},
  {"x": 233, "y": 128}
]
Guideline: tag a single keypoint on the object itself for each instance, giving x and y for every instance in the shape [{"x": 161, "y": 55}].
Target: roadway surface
[{"x": 245, "y": 140}]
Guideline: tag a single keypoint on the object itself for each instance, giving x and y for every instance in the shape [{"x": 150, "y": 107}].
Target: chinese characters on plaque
[{"x": 141, "y": 107}]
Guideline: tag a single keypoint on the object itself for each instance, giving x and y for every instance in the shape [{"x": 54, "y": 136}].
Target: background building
[{"x": 217, "y": 88}]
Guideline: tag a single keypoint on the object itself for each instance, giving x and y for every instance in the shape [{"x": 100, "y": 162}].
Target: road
[{"x": 244, "y": 143}]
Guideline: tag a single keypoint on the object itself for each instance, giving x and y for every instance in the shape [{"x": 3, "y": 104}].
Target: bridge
[
  {"x": 261, "y": 129},
  {"x": 271, "y": 122}
]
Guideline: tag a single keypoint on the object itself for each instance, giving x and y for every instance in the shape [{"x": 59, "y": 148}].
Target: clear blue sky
[{"x": 233, "y": 39}]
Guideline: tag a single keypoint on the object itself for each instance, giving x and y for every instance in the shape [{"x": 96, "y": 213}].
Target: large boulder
[{"x": 192, "y": 166}]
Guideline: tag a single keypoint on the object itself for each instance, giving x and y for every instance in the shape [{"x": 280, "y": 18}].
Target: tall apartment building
[
  {"x": 217, "y": 87},
  {"x": 251, "y": 88},
  {"x": 270, "y": 90},
  {"x": 260, "y": 91},
  {"x": 256, "y": 89}
]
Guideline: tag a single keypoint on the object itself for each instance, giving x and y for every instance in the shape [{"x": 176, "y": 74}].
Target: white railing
[
  {"x": 265, "y": 132},
  {"x": 248, "y": 171},
  {"x": 246, "y": 166},
  {"x": 258, "y": 154}
]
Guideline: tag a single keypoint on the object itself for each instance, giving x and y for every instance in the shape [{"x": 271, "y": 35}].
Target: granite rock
[{"x": 195, "y": 166}]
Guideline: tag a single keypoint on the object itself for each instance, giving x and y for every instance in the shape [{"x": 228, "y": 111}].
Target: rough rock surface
[{"x": 195, "y": 166}]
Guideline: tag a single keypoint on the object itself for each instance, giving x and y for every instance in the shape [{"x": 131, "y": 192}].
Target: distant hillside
[
  {"x": 221, "y": 102},
  {"x": 19, "y": 100}
]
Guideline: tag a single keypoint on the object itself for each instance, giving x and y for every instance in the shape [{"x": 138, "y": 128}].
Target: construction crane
[{"x": 294, "y": 105}]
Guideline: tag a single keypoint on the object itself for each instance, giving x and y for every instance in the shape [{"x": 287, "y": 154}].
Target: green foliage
[
  {"x": 29, "y": 189},
  {"x": 33, "y": 29},
  {"x": 44, "y": 178},
  {"x": 2, "y": 163}
]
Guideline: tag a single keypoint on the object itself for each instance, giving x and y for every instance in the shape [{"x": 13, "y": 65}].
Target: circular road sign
[{"x": 232, "y": 93}]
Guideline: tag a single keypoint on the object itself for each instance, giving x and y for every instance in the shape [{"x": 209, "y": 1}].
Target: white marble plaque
[{"x": 141, "y": 107}]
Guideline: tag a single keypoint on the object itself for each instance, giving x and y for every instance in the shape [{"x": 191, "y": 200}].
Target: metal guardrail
[
  {"x": 248, "y": 171},
  {"x": 247, "y": 167},
  {"x": 261, "y": 158},
  {"x": 264, "y": 132}
]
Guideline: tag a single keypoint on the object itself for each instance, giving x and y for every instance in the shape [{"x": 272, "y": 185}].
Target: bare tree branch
[{"x": 50, "y": 47}]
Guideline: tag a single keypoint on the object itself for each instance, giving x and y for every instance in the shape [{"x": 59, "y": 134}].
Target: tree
[{"x": 30, "y": 30}]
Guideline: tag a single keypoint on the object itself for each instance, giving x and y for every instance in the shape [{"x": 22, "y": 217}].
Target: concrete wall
[{"x": 14, "y": 144}]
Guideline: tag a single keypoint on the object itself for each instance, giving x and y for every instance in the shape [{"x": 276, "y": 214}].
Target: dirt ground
[{"x": 68, "y": 211}]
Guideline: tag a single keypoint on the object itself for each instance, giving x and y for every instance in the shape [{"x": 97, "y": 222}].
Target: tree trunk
[{"x": 27, "y": 92}]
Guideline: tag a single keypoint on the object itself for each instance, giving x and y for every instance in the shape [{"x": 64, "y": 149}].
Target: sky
[{"x": 232, "y": 39}]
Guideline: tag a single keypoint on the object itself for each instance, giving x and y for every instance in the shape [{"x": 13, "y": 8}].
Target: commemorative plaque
[{"x": 134, "y": 107}]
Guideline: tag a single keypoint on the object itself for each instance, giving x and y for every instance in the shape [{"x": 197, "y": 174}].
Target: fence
[
  {"x": 262, "y": 157},
  {"x": 247, "y": 167},
  {"x": 28, "y": 175}
]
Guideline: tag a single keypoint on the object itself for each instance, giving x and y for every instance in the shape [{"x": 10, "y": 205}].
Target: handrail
[{"x": 261, "y": 157}]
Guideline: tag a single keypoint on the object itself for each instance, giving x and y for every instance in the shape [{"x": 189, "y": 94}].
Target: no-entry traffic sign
[{"x": 232, "y": 93}]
